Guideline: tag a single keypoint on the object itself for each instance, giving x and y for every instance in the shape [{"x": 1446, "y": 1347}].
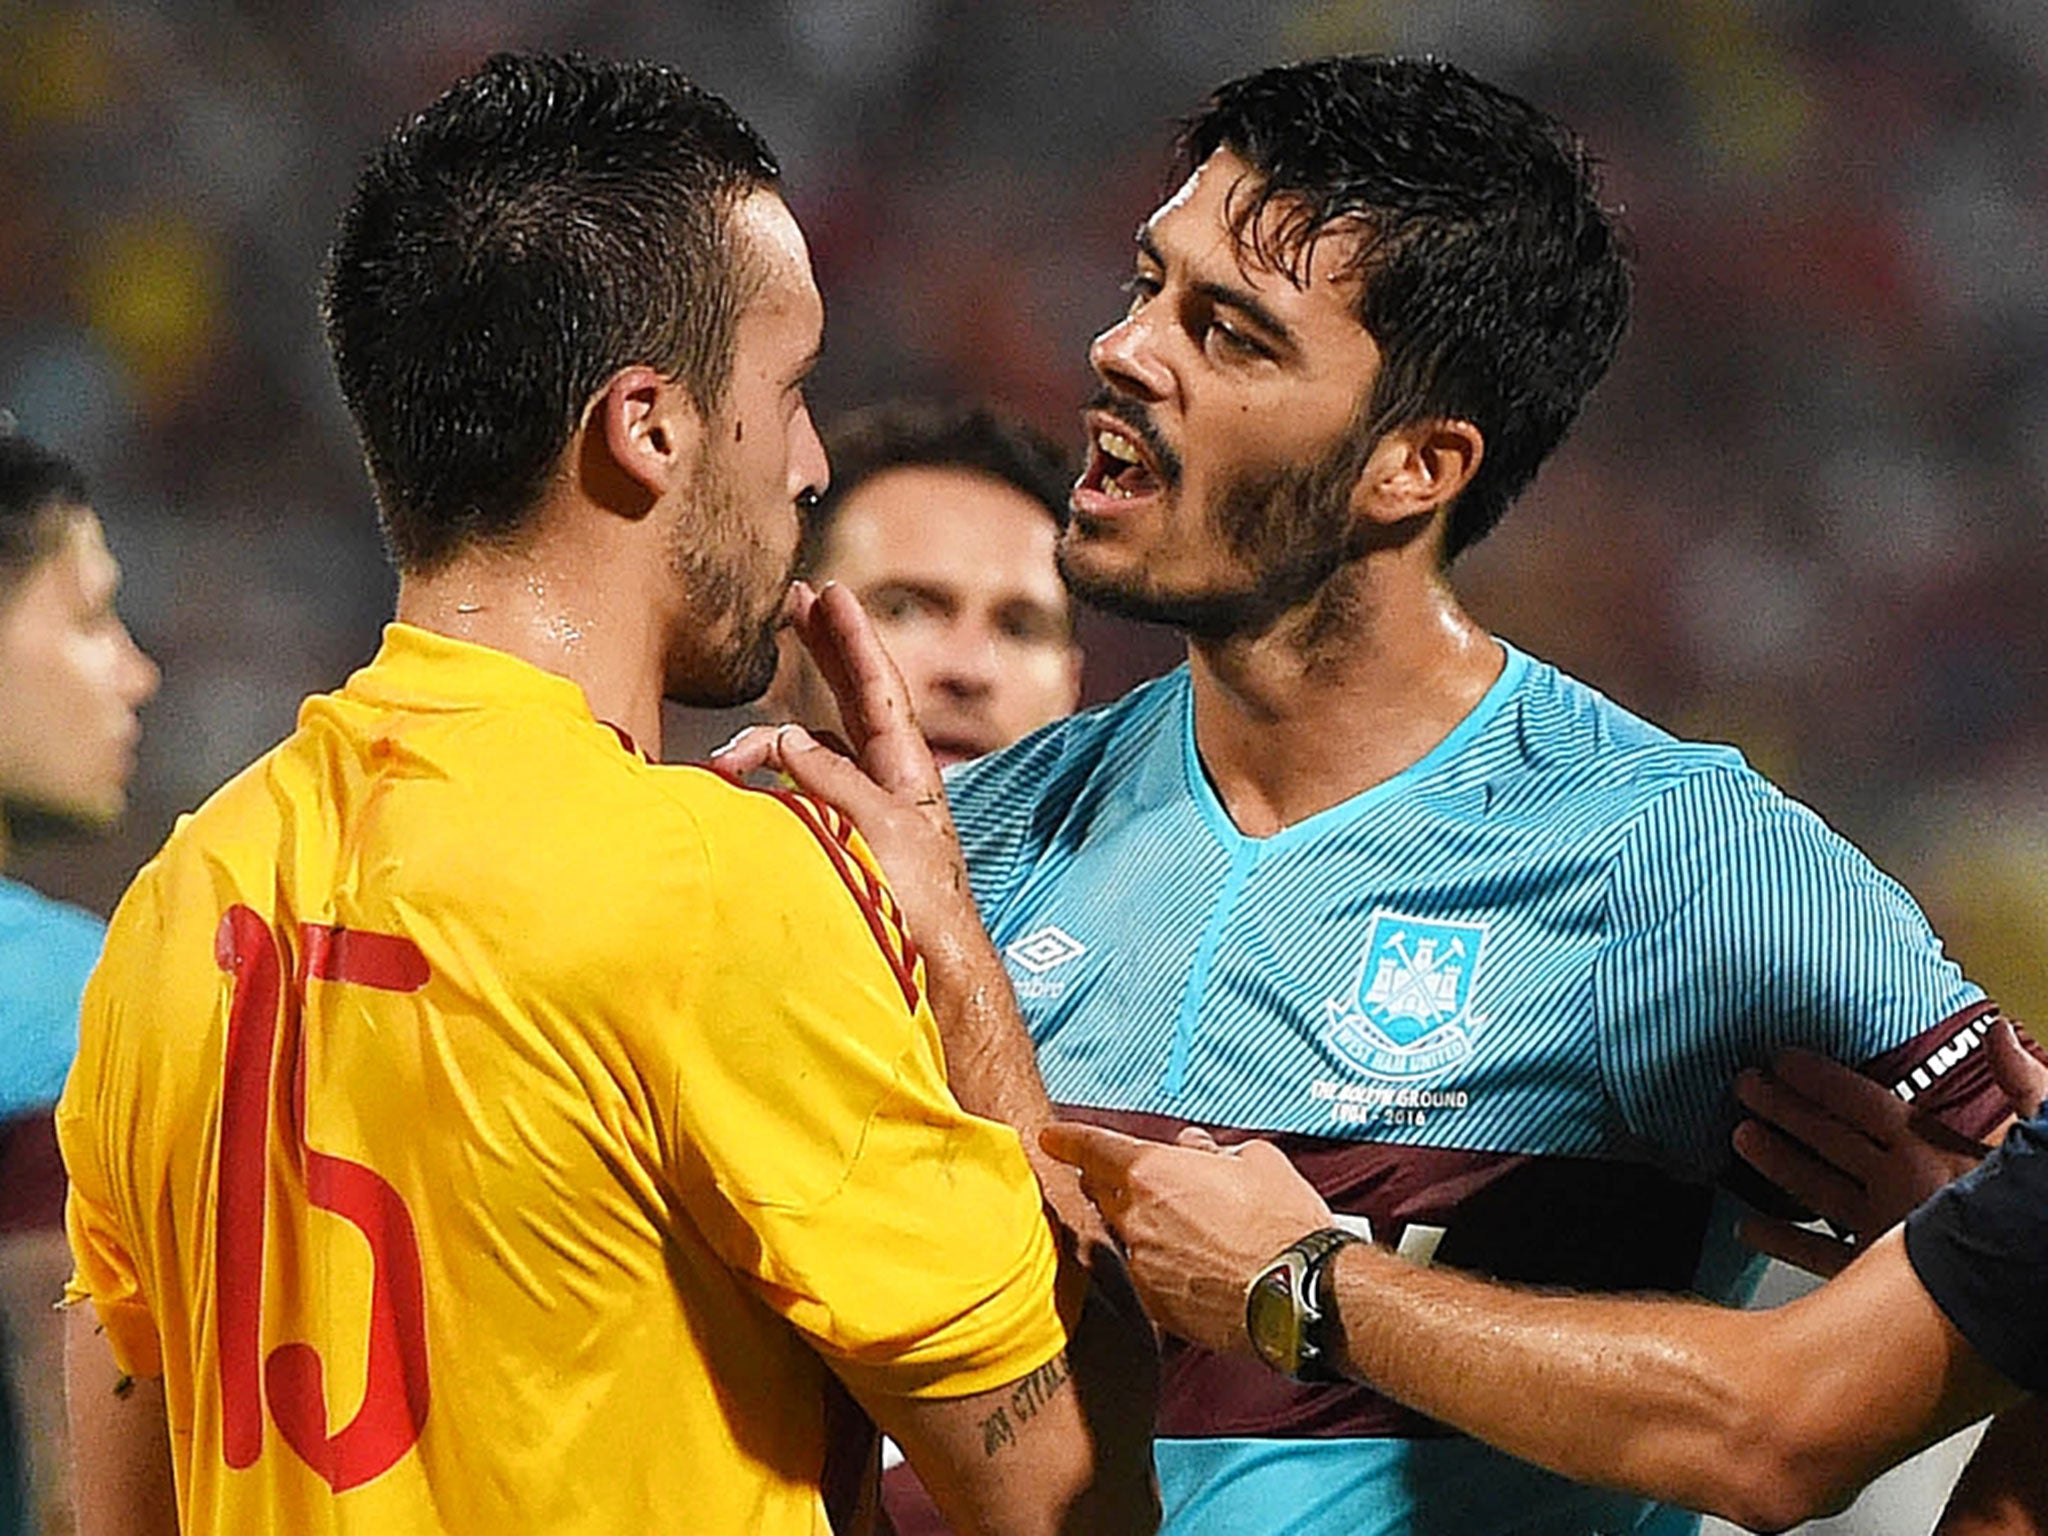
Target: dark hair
[
  {"x": 33, "y": 481},
  {"x": 544, "y": 224},
  {"x": 925, "y": 434},
  {"x": 1496, "y": 283}
]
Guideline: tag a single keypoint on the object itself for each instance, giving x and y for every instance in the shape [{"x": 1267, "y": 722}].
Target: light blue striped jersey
[
  {"x": 1494, "y": 1003},
  {"x": 47, "y": 949}
]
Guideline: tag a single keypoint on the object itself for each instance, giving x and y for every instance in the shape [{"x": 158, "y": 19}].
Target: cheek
[
  {"x": 911, "y": 643},
  {"x": 1037, "y": 684}
]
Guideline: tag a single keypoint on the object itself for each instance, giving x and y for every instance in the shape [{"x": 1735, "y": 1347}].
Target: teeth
[
  {"x": 1111, "y": 489},
  {"x": 1117, "y": 446}
]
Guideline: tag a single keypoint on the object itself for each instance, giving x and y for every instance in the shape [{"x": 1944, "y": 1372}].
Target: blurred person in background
[
  {"x": 71, "y": 685},
  {"x": 942, "y": 520},
  {"x": 1482, "y": 950},
  {"x": 576, "y": 1125}
]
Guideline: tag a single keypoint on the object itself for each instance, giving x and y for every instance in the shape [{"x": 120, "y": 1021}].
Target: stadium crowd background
[{"x": 1805, "y": 514}]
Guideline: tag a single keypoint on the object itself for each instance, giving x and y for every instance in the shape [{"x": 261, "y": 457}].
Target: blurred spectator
[
  {"x": 71, "y": 682},
  {"x": 942, "y": 520}
]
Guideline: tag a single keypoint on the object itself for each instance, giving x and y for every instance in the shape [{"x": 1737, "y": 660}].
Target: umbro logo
[{"x": 1043, "y": 949}]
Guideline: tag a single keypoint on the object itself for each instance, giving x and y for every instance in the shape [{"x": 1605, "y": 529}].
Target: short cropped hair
[
  {"x": 907, "y": 434},
  {"x": 1496, "y": 284},
  {"x": 545, "y": 223},
  {"x": 34, "y": 482}
]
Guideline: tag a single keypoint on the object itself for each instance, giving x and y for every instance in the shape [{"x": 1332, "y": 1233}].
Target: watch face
[{"x": 1273, "y": 1320}]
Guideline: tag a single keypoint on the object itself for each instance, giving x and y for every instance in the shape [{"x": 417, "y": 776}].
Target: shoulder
[
  {"x": 40, "y": 935},
  {"x": 47, "y": 950},
  {"x": 1560, "y": 739},
  {"x": 1049, "y": 763}
]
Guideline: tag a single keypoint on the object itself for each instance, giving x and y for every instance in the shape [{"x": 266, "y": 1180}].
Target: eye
[
  {"x": 1032, "y": 625},
  {"x": 1232, "y": 342},
  {"x": 898, "y": 605},
  {"x": 1140, "y": 286}
]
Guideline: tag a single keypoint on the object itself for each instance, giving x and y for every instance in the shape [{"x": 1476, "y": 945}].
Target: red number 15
[{"x": 395, "y": 1392}]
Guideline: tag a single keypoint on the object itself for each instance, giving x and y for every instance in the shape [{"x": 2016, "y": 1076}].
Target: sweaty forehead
[
  {"x": 943, "y": 522},
  {"x": 768, "y": 232},
  {"x": 1220, "y": 216}
]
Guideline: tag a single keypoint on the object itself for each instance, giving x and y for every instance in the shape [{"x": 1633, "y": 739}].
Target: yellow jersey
[{"x": 482, "y": 1129}]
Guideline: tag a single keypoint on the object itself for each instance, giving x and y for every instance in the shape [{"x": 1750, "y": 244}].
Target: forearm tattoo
[{"x": 1026, "y": 1399}]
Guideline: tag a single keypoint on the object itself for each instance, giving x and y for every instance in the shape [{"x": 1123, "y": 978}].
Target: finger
[
  {"x": 1825, "y": 1136},
  {"x": 1102, "y": 1155},
  {"x": 1819, "y": 1186},
  {"x": 1810, "y": 1251},
  {"x": 1198, "y": 1138},
  {"x": 1843, "y": 1092},
  {"x": 873, "y": 700},
  {"x": 749, "y": 750},
  {"x": 824, "y": 775},
  {"x": 832, "y": 741},
  {"x": 802, "y": 598},
  {"x": 2019, "y": 1073}
]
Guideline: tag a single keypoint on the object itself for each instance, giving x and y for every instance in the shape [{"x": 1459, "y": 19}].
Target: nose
[
  {"x": 140, "y": 675},
  {"x": 967, "y": 666},
  {"x": 1125, "y": 359},
  {"x": 809, "y": 471}
]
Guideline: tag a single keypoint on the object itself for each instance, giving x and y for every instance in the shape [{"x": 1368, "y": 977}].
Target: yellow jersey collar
[{"x": 419, "y": 669}]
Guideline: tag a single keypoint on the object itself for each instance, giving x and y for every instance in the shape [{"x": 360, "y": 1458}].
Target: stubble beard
[
  {"x": 730, "y": 656},
  {"x": 1287, "y": 531}
]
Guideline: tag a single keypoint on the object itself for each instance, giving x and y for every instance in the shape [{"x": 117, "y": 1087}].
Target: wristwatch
[{"x": 1286, "y": 1307}]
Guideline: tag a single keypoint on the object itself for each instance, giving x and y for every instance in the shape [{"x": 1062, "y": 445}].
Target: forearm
[
  {"x": 989, "y": 1058},
  {"x": 120, "y": 1437},
  {"x": 1766, "y": 1418},
  {"x": 990, "y": 1064}
]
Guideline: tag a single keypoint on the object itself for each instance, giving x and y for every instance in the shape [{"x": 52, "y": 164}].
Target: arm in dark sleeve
[{"x": 1980, "y": 1247}]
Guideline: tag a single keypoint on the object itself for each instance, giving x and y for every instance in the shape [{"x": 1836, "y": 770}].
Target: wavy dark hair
[
  {"x": 1496, "y": 283},
  {"x": 546, "y": 222}
]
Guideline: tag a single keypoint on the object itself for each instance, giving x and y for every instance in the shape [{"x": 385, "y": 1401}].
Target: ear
[
  {"x": 1419, "y": 469},
  {"x": 649, "y": 426}
]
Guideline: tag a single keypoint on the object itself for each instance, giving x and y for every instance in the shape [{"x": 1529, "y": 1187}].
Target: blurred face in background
[
  {"x": 956, "y": 568},
  {"x": 71, "y": 680}
]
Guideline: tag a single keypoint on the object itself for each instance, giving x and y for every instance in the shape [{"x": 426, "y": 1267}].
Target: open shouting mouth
[{"x": 1121, "y": 469}]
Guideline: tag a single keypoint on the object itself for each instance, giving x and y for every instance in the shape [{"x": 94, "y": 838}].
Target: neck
[
  {"x": 1338, "y": 696},
  {"x": 561, "y": 611}
]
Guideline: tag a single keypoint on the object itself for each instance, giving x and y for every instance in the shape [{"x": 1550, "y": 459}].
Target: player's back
[{"x": 383, "y": 1093}]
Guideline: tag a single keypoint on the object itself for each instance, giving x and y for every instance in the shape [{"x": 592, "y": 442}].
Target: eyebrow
[{"x": 1239, "y": 299}]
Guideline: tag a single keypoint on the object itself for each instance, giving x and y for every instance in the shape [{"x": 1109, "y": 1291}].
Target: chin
[
  {"x": 30, "y": 822},
  {"x": 747, "y": 679}
]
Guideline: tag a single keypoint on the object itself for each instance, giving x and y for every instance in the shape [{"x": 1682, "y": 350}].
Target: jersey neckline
[{"x": 1225, "y": 831}]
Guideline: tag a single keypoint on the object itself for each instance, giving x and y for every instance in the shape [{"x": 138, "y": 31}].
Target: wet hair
[
  {"x": 34, "y": 482},
  {"x": 1496, "y": 284},
  {"x": 907, "y": 434},
  {"x": 545, "y": 223}
]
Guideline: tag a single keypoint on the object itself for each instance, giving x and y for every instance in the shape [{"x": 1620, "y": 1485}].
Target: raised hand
[
  {"x": 1851, "y": 1151},
  {"x": 887, "y": 783}
]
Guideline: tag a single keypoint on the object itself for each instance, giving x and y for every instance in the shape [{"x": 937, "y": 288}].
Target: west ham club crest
[{"x": 1407, "y": 1013}]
